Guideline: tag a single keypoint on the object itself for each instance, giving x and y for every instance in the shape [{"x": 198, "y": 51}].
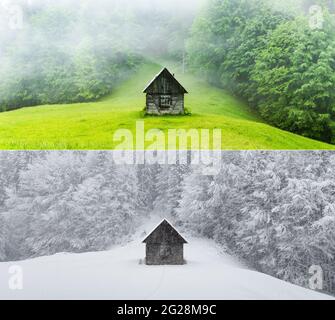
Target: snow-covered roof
[{"x": 167, "y": 223}]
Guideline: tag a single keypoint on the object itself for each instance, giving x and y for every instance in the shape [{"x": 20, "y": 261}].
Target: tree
[
  {"x": 169, "y": 189},
  {"x": 105, "y": 206},
  {"x": 191, "y": 212},
  {"x": 294, "y": 79},
  {"x": 3, "y": 238},
  {"x": 274, "y": 210},
  {"x": 39, "y": 204},
  {"x": 45, "y": 65},
  {"x": 274, "y": 60},
  {"x": 60, "y": 204}
]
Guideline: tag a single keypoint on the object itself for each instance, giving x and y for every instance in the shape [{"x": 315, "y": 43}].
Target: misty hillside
[
  {"x": 276, "y": 57},
  {"x": 119, "y": 273},
  {"x": 92, "y": 125}
]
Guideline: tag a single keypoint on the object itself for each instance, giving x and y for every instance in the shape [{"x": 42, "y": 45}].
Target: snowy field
[{"x": 119, "y": 274}]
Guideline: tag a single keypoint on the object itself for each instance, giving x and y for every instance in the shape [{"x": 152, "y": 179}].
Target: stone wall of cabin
[
  {"x": 164, "y": 254},
  {"x": 154, "y": 109}
]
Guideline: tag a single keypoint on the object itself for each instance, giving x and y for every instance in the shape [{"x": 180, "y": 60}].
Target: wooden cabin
[
  {"x": 164, "y": 246},
  {"x": 165, "y": 95}
]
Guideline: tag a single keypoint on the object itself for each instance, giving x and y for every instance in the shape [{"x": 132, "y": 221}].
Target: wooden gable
[
  {"x": 164, "y": 83},
  {"x": 165, "y": 233}
]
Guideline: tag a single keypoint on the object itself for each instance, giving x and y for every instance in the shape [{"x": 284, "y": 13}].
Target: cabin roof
[
  {"x": 164, "y": 233},
  {"x": 168, "y": 74}
]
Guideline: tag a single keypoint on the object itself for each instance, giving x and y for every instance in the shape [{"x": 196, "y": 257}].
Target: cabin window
[{"x": 165, "y": 102}]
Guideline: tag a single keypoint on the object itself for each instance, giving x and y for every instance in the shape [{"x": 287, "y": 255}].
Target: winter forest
[{"x": 273, "y": 210}]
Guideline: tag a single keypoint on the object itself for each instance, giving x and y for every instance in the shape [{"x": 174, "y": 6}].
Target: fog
[
  {"x": 152, "y": 27},
  {"x": 134, "y": 24},
  {"x": 18, "y": 18},
  {"x": 39, "y": 37}
]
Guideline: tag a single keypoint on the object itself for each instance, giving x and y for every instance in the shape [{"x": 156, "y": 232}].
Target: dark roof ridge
[
  {"x": 158, "y": 74},
  {"x": 171, "y": 225}
]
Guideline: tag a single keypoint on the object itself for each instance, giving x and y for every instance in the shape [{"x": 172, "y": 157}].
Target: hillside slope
[
  {"x": 119, "y": 274},
  {"x": 92, "y": 125}
]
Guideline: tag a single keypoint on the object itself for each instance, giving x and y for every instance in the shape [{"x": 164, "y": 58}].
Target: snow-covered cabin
[
  {"x": 164, "y": 246},
  {"x": 165, "y": 95}
]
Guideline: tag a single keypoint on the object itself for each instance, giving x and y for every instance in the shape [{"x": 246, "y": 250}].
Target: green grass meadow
[{"x": 91, "y": 126}]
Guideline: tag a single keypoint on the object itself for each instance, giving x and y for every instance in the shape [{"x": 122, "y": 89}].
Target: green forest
[
  {"x": 277, "y": 58},
  {"x": 272, "y": 58}
]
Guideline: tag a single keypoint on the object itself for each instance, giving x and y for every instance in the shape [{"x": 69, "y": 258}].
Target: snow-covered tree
[
  {"x": 147, "y": 181},
  {"x": 3, "y": 238},
  {"x": 105, "y": 207},
  {"x": 62, "y": 205},
  {"x": 191, "y": 211},
  {"x": 275, "y": 210},
  {"x": 169, "y": 189}
]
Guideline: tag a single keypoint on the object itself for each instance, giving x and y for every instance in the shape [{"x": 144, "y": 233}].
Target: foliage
[
  {"x": 70, "y": 202},
  {"x": 295, "y": 79},
  {"x": 274, "y": 60},
  {"x": 58, "y": 59},
  {"x": 274, "y": 210}
]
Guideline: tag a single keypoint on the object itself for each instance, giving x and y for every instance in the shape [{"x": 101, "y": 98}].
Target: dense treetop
[{"x": 276, "y": 60}]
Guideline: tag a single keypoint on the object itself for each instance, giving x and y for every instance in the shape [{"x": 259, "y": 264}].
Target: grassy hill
[{"x": 92, "y": 125}]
